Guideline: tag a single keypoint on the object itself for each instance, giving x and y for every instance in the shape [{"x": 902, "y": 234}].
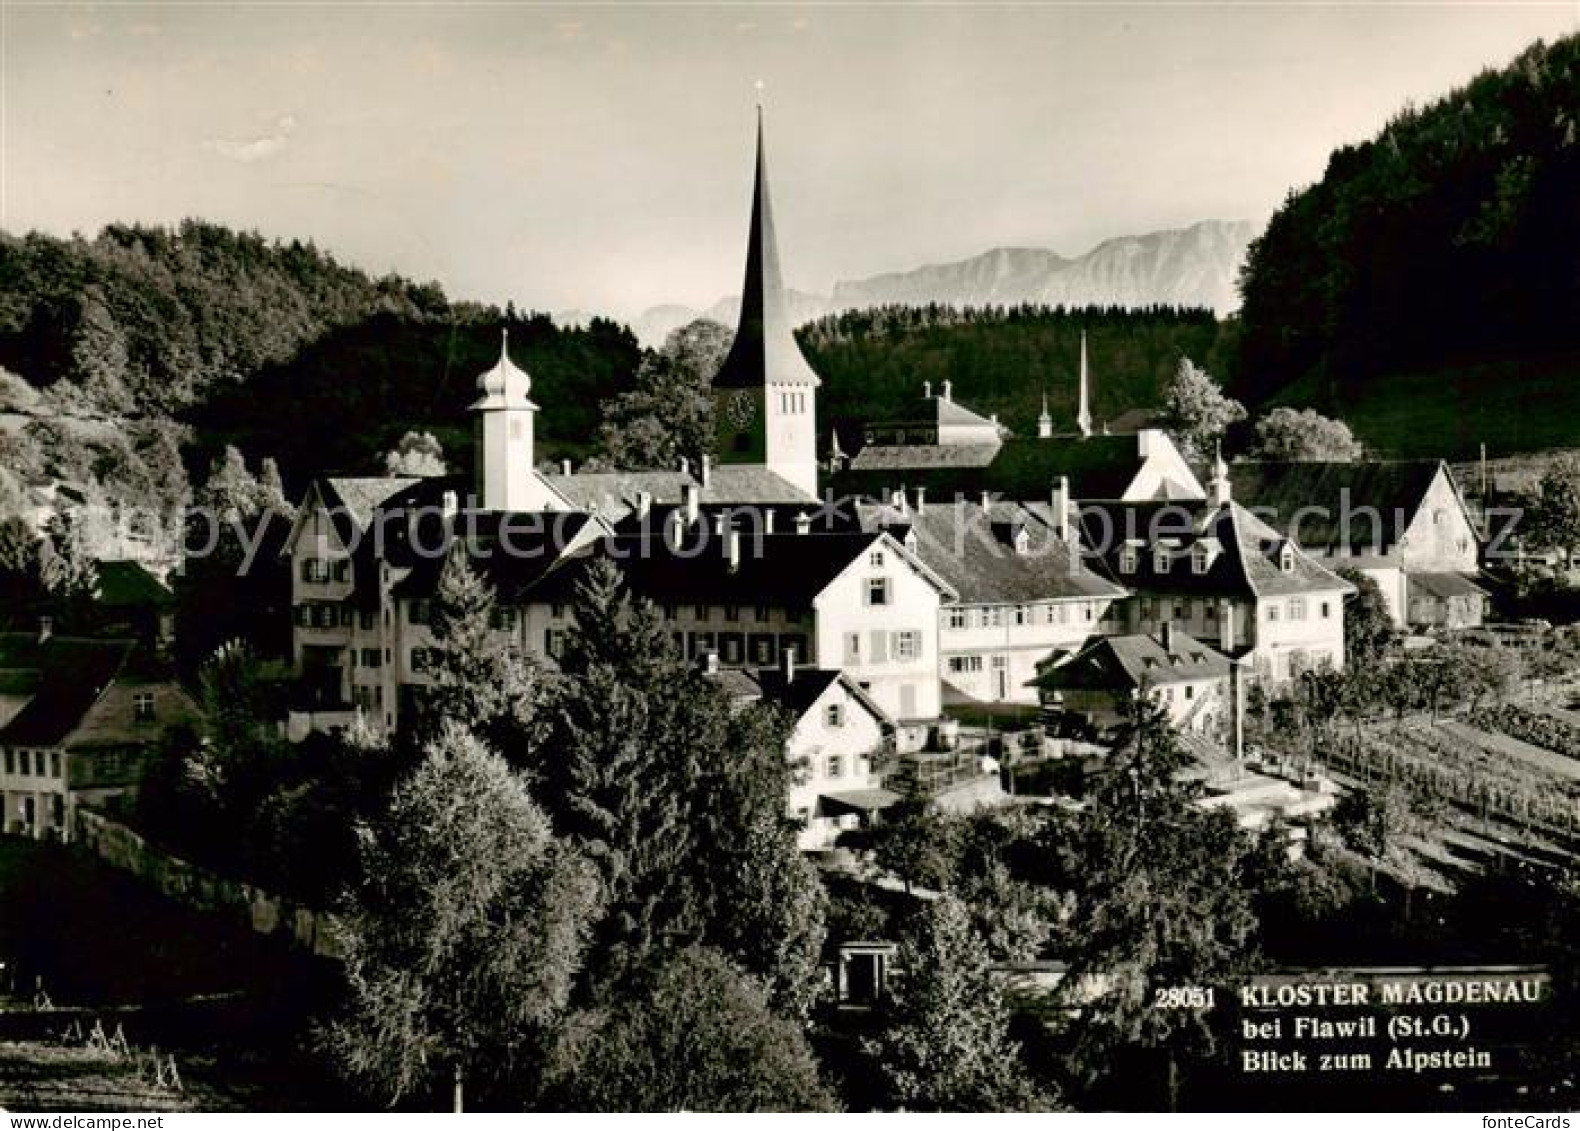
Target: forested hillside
[
  {"x": 146, "y": 319},
  {"x": 275, "y": 346},
  {"x": 1003, "y": 359},
  {"x": 1447, "y": 245}
]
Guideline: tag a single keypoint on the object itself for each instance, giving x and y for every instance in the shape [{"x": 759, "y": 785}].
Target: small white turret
[{"x": 503, "y": 475}]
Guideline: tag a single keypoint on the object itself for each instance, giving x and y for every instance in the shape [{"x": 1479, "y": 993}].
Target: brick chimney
[
  {"x": 732, "y": 548},
  {"x": 787, "y": 663},
  {"x": 949, "y": 391},
  {"x": 644, "y": 504},
  {"x": 768, "y": 519},
  {"x": 921, "y": 500},
  {"x": 803, "y": 523},
  {"x": 927, "y": 390},
  {"x": 707, "y": 470},
  {"x": 1166, "y": 636}
]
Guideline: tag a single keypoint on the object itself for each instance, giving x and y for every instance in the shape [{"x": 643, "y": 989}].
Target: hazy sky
[{"x": 598, "y": 156}]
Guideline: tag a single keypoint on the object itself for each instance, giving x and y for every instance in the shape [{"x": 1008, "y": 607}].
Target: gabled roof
[
  {"x": 1098, "y": 468},
  {"x": 802, "y": 692},
  {"x": 71, "y": 672},
  {"x": 764, "y": 349},
  {"x": 1246, "y": 564},
  {"x": 128, "y": 584},
  {"x": 973, "y": 550},
  {"x": 950, "y": 413},
  {"x": 513, "y": 551},
  {"x": 784, "y": 570},
  {"x": 1124, "y": 663},
  {"x": 1316, "y": 497},
  {"x": 362, "y": 496}
]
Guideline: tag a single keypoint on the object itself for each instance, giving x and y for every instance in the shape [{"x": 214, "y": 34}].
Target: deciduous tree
[
  {"x": 464, "y": 938},
  {"x": 1196, "y": 412},
  {"x": 417, "y": 453},
  {"x": 668, "y": 415},
  {"x": 1304, "y": 435},
  {"x": 687, "y": 1032}
]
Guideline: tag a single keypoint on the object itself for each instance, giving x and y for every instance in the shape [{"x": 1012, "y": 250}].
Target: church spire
[
  {"x": 1083, "y": 415},
  {"x": 764, "y": 351}
]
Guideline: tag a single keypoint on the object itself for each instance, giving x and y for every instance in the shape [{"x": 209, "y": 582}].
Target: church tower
[
  {"x": 503, "y": 476},
  {"x": 765, "y": 393}
]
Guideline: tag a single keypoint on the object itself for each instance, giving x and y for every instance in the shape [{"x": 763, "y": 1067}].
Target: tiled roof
[
  {"x": 1108, "y": 663},
  {"x": 513, "y": 551},
  {"x": 1317, "y": 495},
  {"x": 799, "y": 694},
  {"x": 1245, "y": 561},
  {"x": 362, "y": 496},
  {"x": 901, "y": 457},
  {"x": 612, "y": 494},
  {"x": 973, "y": 549},
  {"x": 72, "y": 674},
  {"x": 124, "y": 584},
  {"x": 1098, "y": 467},
  {"x": 783, "y": 570},
  {"x": 1442, "y": 586}
]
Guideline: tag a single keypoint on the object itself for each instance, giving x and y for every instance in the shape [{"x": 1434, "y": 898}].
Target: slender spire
[
  {"x": 764, "y": 350},
  {"x": 1083, "y": 415},
  {"x": 1220, "y": 489}
]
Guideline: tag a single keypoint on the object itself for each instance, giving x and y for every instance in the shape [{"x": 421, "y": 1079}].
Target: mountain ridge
[{"x": 1196, "y": 265}]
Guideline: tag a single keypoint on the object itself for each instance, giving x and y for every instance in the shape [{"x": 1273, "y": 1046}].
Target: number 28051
[{"x": 1183, "y": 997}]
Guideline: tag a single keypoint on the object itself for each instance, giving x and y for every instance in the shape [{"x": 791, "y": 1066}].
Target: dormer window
[
  {"x": 1160, "y": 559},
  {"x": 1022, "y": 541},
  {"x": 1127, "y": 560},
  {"x": 1201, "y": 558},
  {"x": 1286, "y": 558}
]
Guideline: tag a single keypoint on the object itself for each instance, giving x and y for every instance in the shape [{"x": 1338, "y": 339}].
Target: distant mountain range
[{"x": 1194, "y": 266}]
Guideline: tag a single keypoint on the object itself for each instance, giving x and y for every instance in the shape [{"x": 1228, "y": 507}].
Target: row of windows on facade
[
  {"x": 33, "y": 763},
  {"x": 998, "y": 616},
  {"x": 732, "y": 648},
  {"x": 320, "y": 570},
  {"x": 331, "y": 614},
  {"x": 1184, "y": 608},
  {"x": 833, "y": 765},
  {"x": 29, "y": 812},
  {"x": 1201, "y": 558},
  {"x": 48, "y": 763}
]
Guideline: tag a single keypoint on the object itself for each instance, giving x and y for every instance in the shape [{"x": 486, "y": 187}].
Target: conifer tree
[
  {"x": 678, "y": 794},
  {"x": 476, "y": 676}
]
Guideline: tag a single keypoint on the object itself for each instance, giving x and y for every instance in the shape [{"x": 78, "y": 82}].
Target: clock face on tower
[{"x": 742, "y": 408}]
